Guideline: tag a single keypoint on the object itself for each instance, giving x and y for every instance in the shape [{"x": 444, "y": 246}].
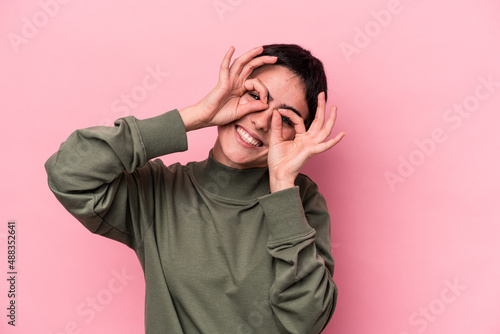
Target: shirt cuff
[
  {"x": 163, "y": 134},
  {"x": 285, "y": 215}
]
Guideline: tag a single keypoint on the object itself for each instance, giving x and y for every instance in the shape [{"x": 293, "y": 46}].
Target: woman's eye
[
  {"x": 254, "y": 96},
  {"x": 286, "y": 120}
]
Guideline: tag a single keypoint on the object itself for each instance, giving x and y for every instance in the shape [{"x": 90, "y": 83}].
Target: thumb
[
  {"x": 249, "y": 107},
  {"x": 276, "y": 128}
]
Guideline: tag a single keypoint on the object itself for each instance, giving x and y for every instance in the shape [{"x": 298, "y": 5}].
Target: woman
[{"x": 240, "y": 242}]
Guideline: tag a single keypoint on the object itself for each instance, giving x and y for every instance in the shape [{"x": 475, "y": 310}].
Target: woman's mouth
[{"x": 247, "y": 138}]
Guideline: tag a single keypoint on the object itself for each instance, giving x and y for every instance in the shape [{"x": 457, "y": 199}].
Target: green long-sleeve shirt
[{"x": 220, "y": 253}]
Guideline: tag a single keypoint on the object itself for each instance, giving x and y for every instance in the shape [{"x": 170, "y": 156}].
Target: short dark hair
[{"x": 309, "y": 68}]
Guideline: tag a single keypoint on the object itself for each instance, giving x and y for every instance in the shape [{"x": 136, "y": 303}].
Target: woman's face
[{"x": 244, "y": 143}]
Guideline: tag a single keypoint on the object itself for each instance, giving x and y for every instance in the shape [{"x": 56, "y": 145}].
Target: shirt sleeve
[
  {"x": 103, "y": 176},
  {"x": 303, "y": 294}
]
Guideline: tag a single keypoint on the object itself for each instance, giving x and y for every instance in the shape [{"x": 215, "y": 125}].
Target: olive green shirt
[{"x": 220, "y": 253}]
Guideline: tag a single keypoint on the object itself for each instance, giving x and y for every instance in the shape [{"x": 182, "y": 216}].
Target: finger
[
  {"x": 328, "y": 126},
  {"x": 254, "y": 63},
  {"x": 319, "y": 118},
  {"x": 227, "y": 58},
  {"x": 224, "y": 66},
  {"x": 249, "y": 107},
  {"x": 325, "y": 146},
  {"x": 257, "y": 86},
  {"x": 276, "y": 128},
  {"x": 297, "y": 121},
  {"x": 244, "y": 59}
]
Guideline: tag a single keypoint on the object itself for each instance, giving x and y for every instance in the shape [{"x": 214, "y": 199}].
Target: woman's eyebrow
[{"x": 285, "y": 106}]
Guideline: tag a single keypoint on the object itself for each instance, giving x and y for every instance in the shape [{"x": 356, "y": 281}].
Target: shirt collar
[{"x": 223, "y": 181}]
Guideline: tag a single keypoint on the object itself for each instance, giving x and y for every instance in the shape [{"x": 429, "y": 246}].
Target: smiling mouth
[{"x": 247, "y": 138}]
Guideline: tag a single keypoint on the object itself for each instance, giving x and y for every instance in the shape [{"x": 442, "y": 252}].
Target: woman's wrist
[
  {"x": 277, "y": 185},
  {"x": 190, "y": 119}
]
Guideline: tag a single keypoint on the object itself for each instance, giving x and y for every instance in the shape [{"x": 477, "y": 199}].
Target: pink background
[{"x": 413, "y": 189}]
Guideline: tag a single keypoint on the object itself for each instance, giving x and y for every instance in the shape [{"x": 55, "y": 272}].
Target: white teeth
[{"x": 247, "y": 138}]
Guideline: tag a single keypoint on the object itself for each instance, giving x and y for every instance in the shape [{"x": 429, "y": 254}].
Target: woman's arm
[
  {"x": 303, "y": 294},
  {"x": 102, "y": 174},
  {"x": 96, "y": 173}
]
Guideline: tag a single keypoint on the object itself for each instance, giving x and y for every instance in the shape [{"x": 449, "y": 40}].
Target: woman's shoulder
[
  {"x": 306, "y": 185},
  {"x": 158, "y": 169}
]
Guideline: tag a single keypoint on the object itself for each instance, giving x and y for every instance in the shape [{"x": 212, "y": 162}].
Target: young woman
[{"x": 240, "y": 242}]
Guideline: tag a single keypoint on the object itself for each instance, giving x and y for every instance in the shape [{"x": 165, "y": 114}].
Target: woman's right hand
[{"x": 222, "y": 104}]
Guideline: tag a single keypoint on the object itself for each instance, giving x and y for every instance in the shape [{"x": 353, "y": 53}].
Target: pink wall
[{"x": 413, "y": 188}]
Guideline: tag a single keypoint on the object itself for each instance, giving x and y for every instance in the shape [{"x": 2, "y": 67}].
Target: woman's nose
[{"x": 262, "y": 119}]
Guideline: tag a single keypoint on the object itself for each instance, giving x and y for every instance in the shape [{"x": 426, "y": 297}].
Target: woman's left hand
[{"x": 286, "y": 158}]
